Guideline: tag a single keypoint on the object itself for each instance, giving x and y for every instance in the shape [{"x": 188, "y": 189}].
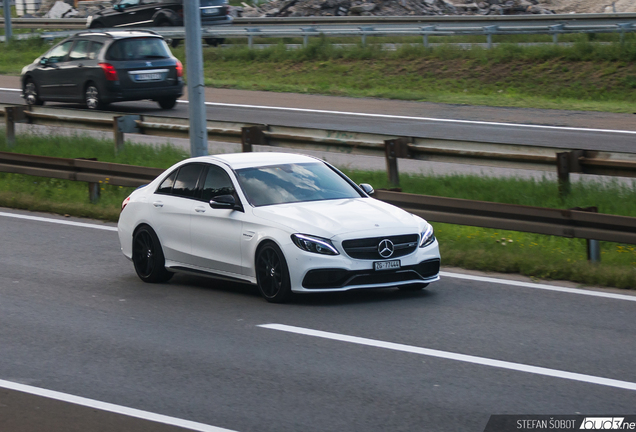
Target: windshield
[
  {"x": 138, "y": 49},
  {"x": 280, "y": 184}
]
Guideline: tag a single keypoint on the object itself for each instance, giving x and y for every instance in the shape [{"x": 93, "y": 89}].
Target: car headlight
[
  {"x": 314, "y": 244},
  {"x": 89, "y": 20},
  {"x": 427, "y": 236}
]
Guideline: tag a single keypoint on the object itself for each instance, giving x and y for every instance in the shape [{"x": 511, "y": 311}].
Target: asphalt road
[
  {"x": 548, "y": 128},
  {"x": 74, "y": 318}
]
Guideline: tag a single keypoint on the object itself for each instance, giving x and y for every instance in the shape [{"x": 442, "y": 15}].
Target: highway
[
  {"x": 568, "y": 129},
  {"x": 75, "y": 319}
]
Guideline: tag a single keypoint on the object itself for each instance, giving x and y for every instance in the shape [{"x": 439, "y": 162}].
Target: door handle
[
  {"x": 157, "y": 204},
  {"x": 80, "y": 65},
  {"x": 199, "y": 209}
]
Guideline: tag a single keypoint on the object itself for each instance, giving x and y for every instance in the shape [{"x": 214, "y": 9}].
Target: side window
[
  {"x": 217, "y": 182},
  {"x": 94, "y": 50},
  {"x": 59, "y": 53},
  {"x": 166, "y": 185},
  {"x": 185, "y": 184},
  {"x": 79, "y": 51}
]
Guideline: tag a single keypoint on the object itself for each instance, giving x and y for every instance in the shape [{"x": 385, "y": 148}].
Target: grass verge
[{"x": 533, "y": 255}]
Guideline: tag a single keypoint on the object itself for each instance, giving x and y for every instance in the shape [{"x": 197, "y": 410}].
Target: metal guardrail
[
  {"x": 558, "y": 222},
  {"x": 563, "y": 161},
  {"x": 602, "y": 18},
  {"x": 386, "y": 26}
]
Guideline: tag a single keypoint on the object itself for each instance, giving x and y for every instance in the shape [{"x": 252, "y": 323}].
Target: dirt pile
[
  {"x": 590, "y": 6},
  {"x": 300, "y": 8}
]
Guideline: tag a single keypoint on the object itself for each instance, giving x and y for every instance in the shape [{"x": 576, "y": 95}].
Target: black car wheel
[
  {"x": 31, "y": 93},
  {"x": 214, "y": 41},
  {"x": 96, "y": 25},
  {"x": 148, "y": 258},
  {"x": 413, "y": 287},
  {"x": 93, "y": 98},
  {"x": 272, "y": 274},
  {"x": 167, "y": 102}
]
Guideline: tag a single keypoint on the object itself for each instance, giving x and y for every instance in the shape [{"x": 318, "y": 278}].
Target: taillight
[
  {"x": 125, "y": 203},
  {"x": 179, "y": 69},
  {"x": 109, "y": 71}
]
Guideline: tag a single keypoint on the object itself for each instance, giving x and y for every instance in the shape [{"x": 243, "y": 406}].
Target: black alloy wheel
[
  {"x": 148, "y": 258},
  {"x": 272, "y": 274},
  {"x": 413, "y": 287},
  {"x": 31, "y": 93},
  {"x": 167, "y": 102},
  {"x": 93, "y": 98}
]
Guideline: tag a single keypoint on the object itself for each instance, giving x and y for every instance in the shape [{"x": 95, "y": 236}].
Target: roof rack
[{"x": 108, "y": 32}]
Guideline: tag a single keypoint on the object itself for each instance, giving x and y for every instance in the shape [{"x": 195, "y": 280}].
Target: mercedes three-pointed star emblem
[{"x": 385, "y": 248}]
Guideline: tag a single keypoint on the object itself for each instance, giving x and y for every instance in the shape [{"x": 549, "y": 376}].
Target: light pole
[
  {"x": 196, "y": 88},
  {"x": 8, "y": 33}
]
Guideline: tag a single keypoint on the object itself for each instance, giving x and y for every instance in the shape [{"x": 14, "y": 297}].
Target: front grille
[{"x": 367, "y": 248}]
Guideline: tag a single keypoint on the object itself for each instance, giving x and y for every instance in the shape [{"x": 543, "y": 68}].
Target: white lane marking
[
  {"x": 59, "y": 221},
  {"x": 591, "y": 379},
  {"x": 442, "y": 273},
  {"x": 117, "y": 409},
  {"x": 429, "y": 119},
  {"x": 398, "y": 117},
  {"x": 539, "y": 286},
  {"x": 9, "y": 89}
]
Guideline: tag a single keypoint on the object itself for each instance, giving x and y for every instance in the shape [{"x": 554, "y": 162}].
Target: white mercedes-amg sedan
[{"x": 288, "y": 223}]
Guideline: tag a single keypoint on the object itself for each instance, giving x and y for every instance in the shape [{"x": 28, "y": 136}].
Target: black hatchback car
[
  {"x": 98, "y": 68},
  {"x": 158, "y": 13}
]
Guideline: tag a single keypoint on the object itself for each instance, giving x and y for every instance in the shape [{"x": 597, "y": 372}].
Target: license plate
[
  {"x": 386, "y": 265},
  {"x": 210, "y": 11},
  {"x": 148, "y": 77}
]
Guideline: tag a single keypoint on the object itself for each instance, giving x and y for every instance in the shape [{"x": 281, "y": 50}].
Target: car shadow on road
[{"x": 361, "y": 296}]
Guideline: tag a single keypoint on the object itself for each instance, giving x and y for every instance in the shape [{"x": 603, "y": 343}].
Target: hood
[{"x": 334, "y": 218}]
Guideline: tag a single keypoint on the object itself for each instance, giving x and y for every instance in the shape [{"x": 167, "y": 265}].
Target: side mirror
[
  {"x": 225, "y": 202},
  {"x": 118, "y": 7},
  {"x": 44, "y": 61},
  {"x": 367, "y": 188}
]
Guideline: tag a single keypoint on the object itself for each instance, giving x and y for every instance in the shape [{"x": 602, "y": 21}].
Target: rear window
[{"x": 138, "y": 49}]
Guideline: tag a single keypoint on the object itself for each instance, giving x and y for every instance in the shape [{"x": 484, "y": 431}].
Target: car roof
[
  {"x": 257, "y": 159},
  {"x": 120, "y": 34}
]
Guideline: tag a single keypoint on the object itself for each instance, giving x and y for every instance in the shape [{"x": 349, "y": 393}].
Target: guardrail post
[
  {"x": 364, "y": 34},
  {"x": 563, "y": 173},
  {"x": 121, "y": 125},
  {"x": 394, "y": 149},
  {"x": 94, "y": 192},
  {"x": 250, "y": 37},
  {"x": 425, "y": 32},
  {"x": 13, "y": 115},
  {"x": 555, "y": 30},
  {"x": 306, "y": 32},
  {"x": 489, "y": 30},
  {"x": 624, "y": 27},
  {"x": 593, "y": 246},
  {"x": 252, "y": 135}
]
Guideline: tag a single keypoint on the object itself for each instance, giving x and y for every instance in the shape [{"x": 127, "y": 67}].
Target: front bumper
[{"x": 310, "y": 272}]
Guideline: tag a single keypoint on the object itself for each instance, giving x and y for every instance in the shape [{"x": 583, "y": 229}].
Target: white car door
[
  {"x": 216, "y": 233},
  {"x": 171, "y": 205}
]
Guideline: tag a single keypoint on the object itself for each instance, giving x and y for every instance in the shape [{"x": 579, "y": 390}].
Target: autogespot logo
[{"x": 385, "y": 248}]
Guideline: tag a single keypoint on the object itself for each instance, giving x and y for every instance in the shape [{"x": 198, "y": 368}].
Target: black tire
[
  {"x": 214, "y": 41},
  {"x": 167, "y": 102},
  {"x": 413, "y": 287},
  {"x": 147, "y": 256},
  {"x": 31, "y": 95},
  {"x": 96, "y": 25},
  {"x": 272, "y": 274},
  {"x": 93, "y": 98}
]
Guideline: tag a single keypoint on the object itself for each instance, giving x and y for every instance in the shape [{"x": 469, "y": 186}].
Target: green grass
[
  {"x": 483, "y": 249},
  {"x": 585, "y": 76}
]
